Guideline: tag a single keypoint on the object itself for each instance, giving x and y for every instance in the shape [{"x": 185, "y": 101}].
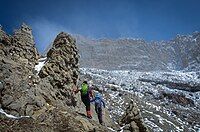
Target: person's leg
[
  {"x": 86, "y": 101},
  {"x": 86, "y": 105},
  {"x": 89, "y": 114},
  {"x": 96, "y": 110},
  {"x": 100, "y": 115}
]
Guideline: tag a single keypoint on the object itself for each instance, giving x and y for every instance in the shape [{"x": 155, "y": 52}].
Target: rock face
[
  {"x": 178, "y": 99},
  {"x": 17, "y": 61},
  {"x": 62, "y": 65},
  {"x": 45, "y": 97},
  {"x": 20, "y": 46},
  {"x": 62, "y": 69}
]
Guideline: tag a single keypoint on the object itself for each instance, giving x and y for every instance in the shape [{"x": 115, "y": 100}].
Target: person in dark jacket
[
  {"x": 86, "y": 94},
  {"x": 99, "y": 103}
]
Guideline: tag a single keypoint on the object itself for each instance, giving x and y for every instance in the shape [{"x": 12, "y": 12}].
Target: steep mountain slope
[
  {"x": 36, "y": 94},
  {"x": 181, "y": 53}
]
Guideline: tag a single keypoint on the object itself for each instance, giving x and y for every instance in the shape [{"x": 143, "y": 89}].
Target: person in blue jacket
[{"x": 99, "y": 103}]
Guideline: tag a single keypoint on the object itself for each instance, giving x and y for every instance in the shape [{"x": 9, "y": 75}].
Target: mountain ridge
[{"x": 179, "y": 53}]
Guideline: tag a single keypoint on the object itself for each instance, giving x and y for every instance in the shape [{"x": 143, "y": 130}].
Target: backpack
[
  {"x": 98, "y": 103},
  {"x": 84, "y": 89}
]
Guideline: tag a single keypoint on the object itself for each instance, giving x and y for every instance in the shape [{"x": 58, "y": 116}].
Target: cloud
[{"x": 44, "y": 32}]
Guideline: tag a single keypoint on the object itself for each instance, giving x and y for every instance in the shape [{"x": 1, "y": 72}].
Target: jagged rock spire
[
  {"x": 22, "y": 45},
  {"x": 24, "y": 34},
  {"x": 26, "y": 28},
  {"x": 64, "y": 54}
]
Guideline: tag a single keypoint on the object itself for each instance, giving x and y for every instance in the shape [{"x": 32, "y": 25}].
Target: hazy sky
[{"x": 147, "y": 19}]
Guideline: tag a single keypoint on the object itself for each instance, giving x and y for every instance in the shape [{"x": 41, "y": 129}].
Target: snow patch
[
  {"x": 41, "y": 63},
  {"x": 153, "y": 125},
  {"x": 11, "y": 116},
  {"x": 111, "y": 129}
]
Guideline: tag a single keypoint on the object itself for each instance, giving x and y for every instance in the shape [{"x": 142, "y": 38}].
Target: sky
[{"x": 145, "y": 19}]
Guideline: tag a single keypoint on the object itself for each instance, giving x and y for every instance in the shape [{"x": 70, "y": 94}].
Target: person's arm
[
  {"x": 75, "y": 89},
  {"x": 103, "y": 103},
  {"x": 92, "y": 100},
  {"x": 90, "y": 92}
]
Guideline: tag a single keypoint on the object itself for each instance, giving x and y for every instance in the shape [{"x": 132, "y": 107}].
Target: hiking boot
[
  {"x": 90, "y": 117},
  {"x": 102, "y": 123}
]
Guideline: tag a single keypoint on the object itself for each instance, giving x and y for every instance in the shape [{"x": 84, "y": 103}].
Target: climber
[
  {"x": 98, "y": 106},
  {"x": 86, "y": 94}
]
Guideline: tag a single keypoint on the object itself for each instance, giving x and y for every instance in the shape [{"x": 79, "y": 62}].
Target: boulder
[
  {"x": 177, "y": 98},
  {"x": 133, "y": 117}
]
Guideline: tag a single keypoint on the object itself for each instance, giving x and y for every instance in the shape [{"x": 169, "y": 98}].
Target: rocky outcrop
[
  {"x": 46, "y": 98},
  {"x": 24, "y": 93},
  {"x": 18, "y": 57},
  {"x": 62, "y": 65},
  {"x": 133, "y": 119},
  {"x": 61, "y": 69},
  {"x": 178, "y": 99},
  {"x": 20, "y": 46}
]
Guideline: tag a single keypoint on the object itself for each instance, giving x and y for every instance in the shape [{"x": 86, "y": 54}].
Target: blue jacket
[{"x": 98, "y": 101}]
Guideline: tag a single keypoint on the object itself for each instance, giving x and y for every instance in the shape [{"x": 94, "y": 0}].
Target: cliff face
[
  {"x": 18, "y": 58},
  {"x": 41, "y": 99}
]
